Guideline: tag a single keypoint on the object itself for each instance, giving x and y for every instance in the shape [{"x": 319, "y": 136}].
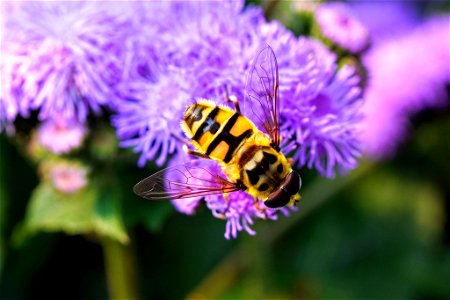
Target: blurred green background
[{"x": 383, "y": 231}]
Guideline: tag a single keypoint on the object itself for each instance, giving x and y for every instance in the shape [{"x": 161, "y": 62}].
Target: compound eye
[
  {"x": 278, "y": 199},
  {"x": 293, "y": 183}
]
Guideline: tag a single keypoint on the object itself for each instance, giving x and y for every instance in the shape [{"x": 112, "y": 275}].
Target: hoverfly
[{"x": 249, "y": 158}]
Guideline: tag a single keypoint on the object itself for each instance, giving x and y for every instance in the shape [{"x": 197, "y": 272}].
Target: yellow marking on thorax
[{"x": 251, "y": 164}]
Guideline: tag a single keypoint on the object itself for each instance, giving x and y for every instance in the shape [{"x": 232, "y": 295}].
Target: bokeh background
[{"x": 380, "y": 230}]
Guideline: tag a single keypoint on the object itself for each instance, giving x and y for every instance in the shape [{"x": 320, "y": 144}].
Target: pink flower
[
  {"x": 407, "y": 74},
  {"x": 338, "y": 24},
  {"x": 60, "y": 136},
  {"x": 68, "y": 178}
]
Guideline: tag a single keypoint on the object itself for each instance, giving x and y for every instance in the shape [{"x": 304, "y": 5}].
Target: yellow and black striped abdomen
[{"x": 216, "y": 131}]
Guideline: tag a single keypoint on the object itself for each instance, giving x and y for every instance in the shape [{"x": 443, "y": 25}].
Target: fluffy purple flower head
[
  {"x": 61, "y": 58},
  {"x": 207, "y": 49},
  {"x": 320, "y": 110},
  {"x": 409, "y": 72},
  {"x": 211, "y": 47},
  {"x": 239, "y": 209},
  {"x": 149, "y": 119},
  {"x": 204, "y": 52},
  {"x": 337, "y": 23}
]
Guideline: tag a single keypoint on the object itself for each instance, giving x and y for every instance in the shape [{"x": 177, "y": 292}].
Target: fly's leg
[
  {"x": 227, "y": 198},
  {"x": 187, "y": 149},
  {"x": 180, "y": 139},
  {"x": 222, "y": 215},
  {"x": 260, "y": 209},
  {"x": 218, "y": 215},
  {"x": 194, "y": 153},
  {"x": 231, "y": 99}
]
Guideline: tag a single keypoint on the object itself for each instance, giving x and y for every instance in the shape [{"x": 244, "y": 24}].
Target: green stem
[{"x": 120, "y": 270}]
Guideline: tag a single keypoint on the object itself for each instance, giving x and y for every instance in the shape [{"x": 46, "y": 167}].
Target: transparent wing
[
  {"x": 183, "y": 181},
  {"x": 261, "y": 94}
]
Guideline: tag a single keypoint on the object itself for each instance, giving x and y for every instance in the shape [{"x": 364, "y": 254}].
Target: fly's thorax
[
  {"x": 265, "y": 171},
  {"x": 216, "y": 131}
]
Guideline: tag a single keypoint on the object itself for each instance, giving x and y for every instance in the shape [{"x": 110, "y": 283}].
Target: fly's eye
[
  {"x": 293, "y": 183},
  {"x": 278, "y": 199}
]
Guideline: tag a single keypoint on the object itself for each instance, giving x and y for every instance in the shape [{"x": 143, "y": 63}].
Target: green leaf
[
  {"x": 91, "y": 210},
  {"x": 50, "y": 210}
]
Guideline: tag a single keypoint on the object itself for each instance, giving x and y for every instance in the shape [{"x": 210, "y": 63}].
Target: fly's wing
[
  {"x": 183, "y": 181},
  {"x": 261, "y": 94}
]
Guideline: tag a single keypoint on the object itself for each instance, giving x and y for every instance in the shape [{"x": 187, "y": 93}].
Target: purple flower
[
  {"x": 320, "y": 110},
  {"x": 397, "y": 17},
  {"x": 150, "y": 119},
  {"x": 206, "y": 47},
  {"x": 197, "y": 56},
  {"x": 62, "y": 58},
  {"x": 337, "y": 23},
  {"x": 201, "y": 57},
  {"x": 408, "y": 73},
  {"x": 5, "y": 124},
  {"x": 239, "y": 209}
]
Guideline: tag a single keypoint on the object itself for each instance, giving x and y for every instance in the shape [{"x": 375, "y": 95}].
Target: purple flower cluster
[
  {"x": 210, "y": 47},
  {"x": 320, "y": 109},
  {"x": 409, "y": 72},
  {"x": 239, "y": 209},
  {"x": 204, "y": 52},
  {"x": 147, "y": 61},
  {"x": 397, "y": 17},
  {"x": 197, "y": 56},
  {"x": 61, "y": 59},
  {"x": 338, "y": 23}
]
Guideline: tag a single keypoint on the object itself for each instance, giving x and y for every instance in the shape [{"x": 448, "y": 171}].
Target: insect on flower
[{"x": 250, "y": 158}]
